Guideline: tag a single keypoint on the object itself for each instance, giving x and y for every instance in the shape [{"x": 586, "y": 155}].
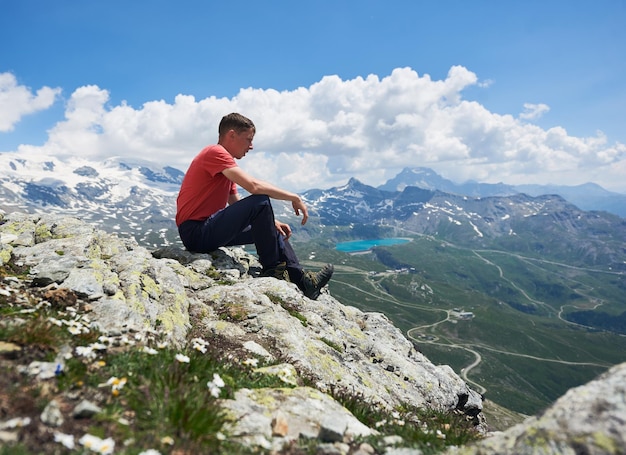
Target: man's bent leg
[
  {"x": 249, "y": 220},
  {"x": 230, "y": 226}
]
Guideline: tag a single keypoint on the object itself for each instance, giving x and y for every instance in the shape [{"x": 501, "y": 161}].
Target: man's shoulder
[
  {"x": 215, "y": 152},
  {"x": 213, "y": 149},
  {"x": 214, "y": 159}
]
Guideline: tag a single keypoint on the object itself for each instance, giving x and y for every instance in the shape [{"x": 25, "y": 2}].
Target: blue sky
[{"x": 535, "y": 91}]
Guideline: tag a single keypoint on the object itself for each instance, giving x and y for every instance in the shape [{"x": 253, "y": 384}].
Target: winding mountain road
[{"x": 416, "y": 333}]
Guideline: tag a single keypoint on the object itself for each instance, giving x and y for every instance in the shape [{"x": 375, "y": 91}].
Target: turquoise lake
[{"x": 364, "y": 245}]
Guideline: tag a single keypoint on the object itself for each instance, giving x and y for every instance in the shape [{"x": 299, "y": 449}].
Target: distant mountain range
[
  {"x": 138, "y": 198},
  {"x": 588, "y": 196},
  {"x": 545, "y": 225}
]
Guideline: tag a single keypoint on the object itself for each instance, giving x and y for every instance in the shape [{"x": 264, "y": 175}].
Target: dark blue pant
[{"x": 247, "y": 221}]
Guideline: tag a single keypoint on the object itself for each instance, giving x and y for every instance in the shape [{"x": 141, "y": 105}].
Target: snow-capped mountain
[
  {"x": 428, "y": 179},
  {"x": 138, "y": 199},
  {"x": 546, "y": 225},
  {"x": 129, "y": 196},
  {"x": 588, "y": 196}
]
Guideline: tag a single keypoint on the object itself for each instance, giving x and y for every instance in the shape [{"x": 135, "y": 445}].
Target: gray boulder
[{"x": 590, "y": 419}]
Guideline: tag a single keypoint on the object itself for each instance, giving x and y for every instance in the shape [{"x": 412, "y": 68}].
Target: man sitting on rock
[{"x": 211, "y": 214}]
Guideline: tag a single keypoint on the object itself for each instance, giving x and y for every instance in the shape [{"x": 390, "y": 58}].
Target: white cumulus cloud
[
  {"x": 367, "y": 127},
  {"x": 534, "y": 111},
  {"x": 16, "y": 101}
]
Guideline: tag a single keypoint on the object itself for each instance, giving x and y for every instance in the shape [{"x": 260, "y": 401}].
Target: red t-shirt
[{"x": 205, "y": 189}]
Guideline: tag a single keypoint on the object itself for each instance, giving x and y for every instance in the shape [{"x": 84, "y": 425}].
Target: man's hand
[
  {"x": 298, "y": 206},
  {"x": 283, "y": 228}
]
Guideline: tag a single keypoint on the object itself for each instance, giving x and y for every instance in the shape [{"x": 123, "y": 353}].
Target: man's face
[{"x": 241, "y": 143}]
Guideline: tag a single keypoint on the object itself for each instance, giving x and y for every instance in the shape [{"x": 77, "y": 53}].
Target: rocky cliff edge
[{"x": 133, "y": 290}]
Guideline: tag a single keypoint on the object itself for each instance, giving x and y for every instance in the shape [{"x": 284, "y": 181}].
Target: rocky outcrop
[
  {"x": 131, "y": 289},
  {"x": 590, "y": 419}
]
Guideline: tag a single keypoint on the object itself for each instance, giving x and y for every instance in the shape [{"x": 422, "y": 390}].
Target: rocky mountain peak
[{"x": 132, "y": 290}]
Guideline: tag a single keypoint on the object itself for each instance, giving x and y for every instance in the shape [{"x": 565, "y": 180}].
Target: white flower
[
  {"x": 95, "y": 444},
  {"x": 167, "y": 440},
  {"x": 199, "y": 345},
  {"x": 150, "y": 351},
  {"x": 66, "y": 439},
  {"x": 286, "y": 374},
  {"x": 16, "y": 422},
  {"x": 150, "y": 452},
  {"x": 76, "y": 327},
  {"x": 99, "y": 346},
  {"x": 214, "y": 391},
  {"x": 55, "y": 321},
  {"x": 251, "y": 362},
  {"x": 85, "y": 351},
  {"x": 215, "y": 386},
  {"x": 116, "y": 384},
  {"x": 89, "y": 351},
  {"x": 74, "y": 330},
  {"x": 127, "y": 341},
  {"x": 182, "y": 358},
  {"x": 42, "y": 304},
  {"x": 218, "y": 381}
]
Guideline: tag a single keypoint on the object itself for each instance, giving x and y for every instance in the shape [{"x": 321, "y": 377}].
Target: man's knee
[
  {"x": 259, "y": 199},
  {"x": 260, "y": 203}
]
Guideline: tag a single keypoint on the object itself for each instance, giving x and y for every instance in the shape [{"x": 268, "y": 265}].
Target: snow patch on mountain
[{"x": 125, "y": 195}]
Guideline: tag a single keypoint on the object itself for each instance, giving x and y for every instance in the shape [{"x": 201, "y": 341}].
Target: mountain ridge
[
  {"x": 42, "y": 180},
  {"x": 136, "y": 198},
  {"x": 587, "y": 196},
  {"x": 543, "y": 225}
]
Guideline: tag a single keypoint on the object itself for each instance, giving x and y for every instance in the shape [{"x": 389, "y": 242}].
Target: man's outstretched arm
[{"x": 256, "y": 186}]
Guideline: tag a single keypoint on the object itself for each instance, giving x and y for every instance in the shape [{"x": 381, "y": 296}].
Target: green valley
[{"x": 499, "y": 319}]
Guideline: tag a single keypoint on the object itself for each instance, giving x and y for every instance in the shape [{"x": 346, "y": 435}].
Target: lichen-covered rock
[
  {"x": 128, "y": 287},
  {"x": 340, "y": 345},
  {"x": 589, "y": 419},
  {"x": 302, "y": 412},
  {"x": 132, "y": 289}
]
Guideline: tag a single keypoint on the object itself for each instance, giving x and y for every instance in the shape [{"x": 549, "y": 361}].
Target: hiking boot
[
  {"x": 279, "y": 272},
  {"x": 312, "y": 283}
]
